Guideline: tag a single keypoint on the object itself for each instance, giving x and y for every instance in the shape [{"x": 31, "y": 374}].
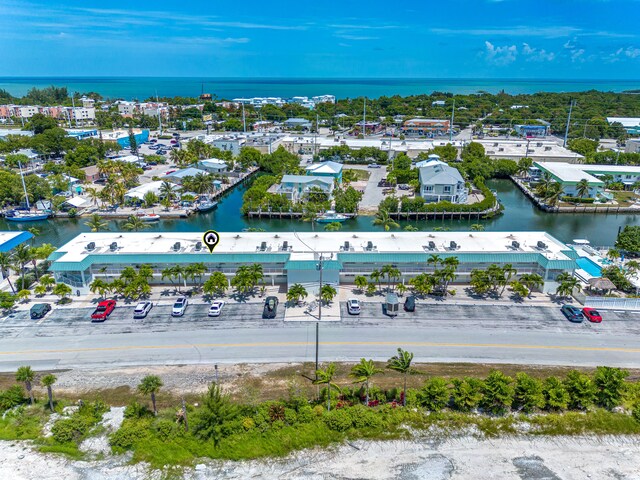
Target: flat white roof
[
  {"x": 572, "y": 172},
  {"x": 625, "y": 121},
  {"x": 304, "y": 244},
  {"x": 518, "y": 148},
  {"x": 140, "y": 190}
]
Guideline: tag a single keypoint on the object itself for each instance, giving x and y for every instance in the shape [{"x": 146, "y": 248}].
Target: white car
[
  {"x": 142, "y": 309},
  {"x": 216, "y": 308},
  {"x": 353, "y": 306},
  {"x": 179, "y": 307}
]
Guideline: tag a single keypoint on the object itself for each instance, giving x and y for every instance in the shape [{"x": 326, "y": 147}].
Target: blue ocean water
[{"x": 143, "y": 87}]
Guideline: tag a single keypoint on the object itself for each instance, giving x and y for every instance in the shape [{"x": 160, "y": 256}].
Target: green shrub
[
  {"x": 338, "y": 420},
  {"x": 609, "y": 385},
  {"x": 136, "y": 410},
  {"x": 555, "y": 395},
  {"x": 466, "y": 393},
  {"x": 318, "y": 410},
  {"x": 570, "y": 199},
  {"x": 128, "y": 434},
  {"x": 528, "y": 394},
  {"x": 93, "y": 411},
  {"x": 306, "y": 414},
  {"x": 497, "y": 393},
  {"x": 364, "y": 417},
  {"x": 580, "y": 389},
  {"x": 434, "y": 395},
  {"x": 248, "y": 423},
  {"x": 70, "y": 429},
  {"x": 12, "y": 397},
  {"x": 635, "y": 413},
  {"x": 164, "y": 429}
]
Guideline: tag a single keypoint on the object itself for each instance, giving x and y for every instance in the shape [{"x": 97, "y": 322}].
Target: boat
[
  {"x": 149, "y": 217},
  {"x": 205, "y": 206},
  {"x": 26, "y": 215},
  {"x": 331, "y": 216}
]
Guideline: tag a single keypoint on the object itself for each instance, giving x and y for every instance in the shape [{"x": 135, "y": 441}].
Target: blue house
[{"x": 326, "y": 169}]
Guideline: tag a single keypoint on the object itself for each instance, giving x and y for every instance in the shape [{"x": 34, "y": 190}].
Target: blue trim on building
[{"x": 15, "y": 241}]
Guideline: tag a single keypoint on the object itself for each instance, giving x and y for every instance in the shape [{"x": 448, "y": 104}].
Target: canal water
[{"x": 519, "y": 215}]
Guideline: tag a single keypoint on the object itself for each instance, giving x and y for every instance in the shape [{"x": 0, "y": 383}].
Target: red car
[
  {"x": 103, "y": 310},
  {"x": 592, "y": 314},
  {"x": 169, "y": 172}
]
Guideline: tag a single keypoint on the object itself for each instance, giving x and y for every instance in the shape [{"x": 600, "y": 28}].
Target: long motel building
[{"x": 289, "y": 258}]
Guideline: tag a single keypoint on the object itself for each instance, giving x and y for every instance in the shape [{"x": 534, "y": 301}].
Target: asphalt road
[{"x": 435, "y": 333}]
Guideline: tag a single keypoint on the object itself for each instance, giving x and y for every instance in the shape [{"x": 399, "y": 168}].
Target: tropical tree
[
  {"x": 48, "y": 381},
  {"x": 327, "y": 293},
  {"x": 333, "y": 227},
  {"x": 216, "y": 418},
  {"x": 216, "y": 284},
  {"x": 567, "y": 284},
  {"x": 135, "y": 224},
  {"x": 391, "y": 272},
  {"x": 477, "y": 227},
  {"x": 23, "y": 295},
  {"x": 528, "y": 393},
  {"x": 360, "y": 282},
  {"x": 411, "y": 228},
  {"x": 554, "y": 193},
  {"x": 62, "y": 290},
  {"x": 376, "y": 276},
  {"x": 26, "y": 375},
  {"x": 401, "y": 363},
  {"x": 582, "y": 188},
  {"x": 531, "y": 281},
  {"x": 385, "y": 221},
  {"x": 96, "y": 223},
  {"x": 47, "y": 281},
  {"x": 22, "y": 255},
  {"x": 167, "y": 191},
  {"x": 296, "y": 292},
  {"x": 40, "y": 290},
  {"x": 363, "y": 372},
  {"x": 401, "y": 288},
  {"x": 150, "y": 385},
  {"x": 150, "y": 199},
  {"x": 325, "y": 377},
  {"x": 434, "y": 260},
  {"x": 195, "y": 271},
  {"x": 6, "y": 264},
  {"x": 497, "y": 392},
  {"x": 310, "y": 214}
]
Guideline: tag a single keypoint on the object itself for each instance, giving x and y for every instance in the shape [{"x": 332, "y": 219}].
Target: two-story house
[
  {"x": 326, "y": 169},
  {"x": 297, "y": 187},
  {"x": 440, "y": 182}
]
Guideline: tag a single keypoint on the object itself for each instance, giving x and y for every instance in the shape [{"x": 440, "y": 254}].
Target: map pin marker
[{"x": 211, "y": 239}]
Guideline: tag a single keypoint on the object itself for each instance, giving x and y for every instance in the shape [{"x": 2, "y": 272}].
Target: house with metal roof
[
  {"x": 178, "y": 175},
  {"x": 213, "y": 165},
  {"x": 440, "y": 182},
  {"x": 289, "y": 257},
  {"x": 297, "y": 187},
  {"x": 10, "y": 240},
  {"x": 570, "y": 174},
  {"x": 326, "y": 169}
]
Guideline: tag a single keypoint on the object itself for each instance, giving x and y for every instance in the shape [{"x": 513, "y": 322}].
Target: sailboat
[{"x": 28, "y": 215}]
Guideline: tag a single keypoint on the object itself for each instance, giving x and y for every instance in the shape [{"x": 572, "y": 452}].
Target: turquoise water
[
  {"x": 589, "y": 266},
  {"x": 143, "y": 87},
  {"x": 519, "y": 215}
]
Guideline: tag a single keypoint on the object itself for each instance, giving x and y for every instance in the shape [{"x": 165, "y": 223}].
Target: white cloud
[
  {"x": 537, "y": 54},
  {"x": 576, "y": 55},
  {"x": 346, "y": 36},
  {"x": 632, "y": 52},
  {"x": 511, "y": 31},
  {"x": 500, "y": 55}
]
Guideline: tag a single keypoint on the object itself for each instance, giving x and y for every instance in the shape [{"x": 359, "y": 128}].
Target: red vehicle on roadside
[
  {"x": 103, "y": 310},
  {"x": 592, "y": 314}
]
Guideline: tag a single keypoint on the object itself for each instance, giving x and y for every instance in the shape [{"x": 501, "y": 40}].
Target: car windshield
[
  {"x": 271, "y": 304},
  {"x": 594, "y": 313},
  {"x": 101, "y": 309},
  {"x": 178, "y": 304}
]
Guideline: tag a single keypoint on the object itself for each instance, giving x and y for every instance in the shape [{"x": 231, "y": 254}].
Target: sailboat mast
[{"x": 24, "y": 186}]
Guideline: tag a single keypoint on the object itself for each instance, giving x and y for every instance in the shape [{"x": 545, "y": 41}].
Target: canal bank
[{"x": 519, "y": 215}]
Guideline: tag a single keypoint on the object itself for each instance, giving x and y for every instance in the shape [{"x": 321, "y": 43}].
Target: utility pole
[
  {"x": 320, "y": 268},
  {"x": 315, "y": 139},
  {"x": 453, "y": 112},
  {"x": 244, "y": 120},
  {"x": 159, "y": 115},
  {"x": 364, "y": 118},
  {"x": 566, "y": 132},
  {"x": 73, "y": 110}
]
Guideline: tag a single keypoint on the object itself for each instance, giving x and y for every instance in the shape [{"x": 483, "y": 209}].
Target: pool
[{"x": 589, "y": 266}]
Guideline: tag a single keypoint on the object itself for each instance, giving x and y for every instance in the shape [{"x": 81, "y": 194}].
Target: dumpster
[{"x": 391, "y": 305}]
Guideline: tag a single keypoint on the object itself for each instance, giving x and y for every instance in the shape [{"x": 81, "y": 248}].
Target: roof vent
[
  {"x": 113, "y": 247},
  {"x": 91, "y": 246},
  {"x": 176, "y": 246},
  {"x": 541, "y": 245}
]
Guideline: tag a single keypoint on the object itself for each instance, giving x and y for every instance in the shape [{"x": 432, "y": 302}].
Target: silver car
[
  {"x": 353, "y": 306},
  {"x": 142, "y": 309}
]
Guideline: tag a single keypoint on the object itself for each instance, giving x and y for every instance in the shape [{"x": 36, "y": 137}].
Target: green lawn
[{"x": 361, "y": 175}]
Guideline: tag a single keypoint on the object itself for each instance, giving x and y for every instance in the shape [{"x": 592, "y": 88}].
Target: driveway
[{"x": 372, "y": 193}]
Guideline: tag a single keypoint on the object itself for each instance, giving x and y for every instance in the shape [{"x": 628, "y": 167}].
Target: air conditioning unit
[
  {"x": 113, "y": 246},
  {"x": 91, "y": 246},
  {"x": 285, "y": 246},
  {"x": 263, "y": 246},
  {"x": 369, "y": 245},
  {"x": 346, "y": 246},
  {"x": 176, "y": 246},
  {"x": 515, "y": 244},
  {"x": 541, "y": 245},
  {"x": 453, "y": 245},
  {"x": 198, "y": 246},
  {"x": 432, "y": 245}
]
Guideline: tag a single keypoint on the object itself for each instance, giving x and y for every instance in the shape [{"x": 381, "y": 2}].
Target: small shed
[{"x": 391, "y": 305}]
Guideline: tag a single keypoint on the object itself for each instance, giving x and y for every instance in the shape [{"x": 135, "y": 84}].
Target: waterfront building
[
  {"x": 440, "y": 182},
  {"x": 297, "y": 187},
  {"x": 432, "y": 159},
  {"x": 632, "y": 145},
  {"x": 326, "y": 169},
  {"x": 537, "y": 150},
  {"x": 289, "y": 258},
  {"x": 138, "y": 193},
  {"x": 213, "y": 165},
  {"x": 9, "y": 241},
  {"x": 569, "y": 175},
  {"x": 293, "y": 123},
  {"x": 177, "y": 176},
  {"x": 425, "y": 127},
  {"x": 122, "y": 137},
  {"x": 630, "y": 124}
]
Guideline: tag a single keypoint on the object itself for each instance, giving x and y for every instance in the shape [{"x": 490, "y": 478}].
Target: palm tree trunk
[
  {"x": 28, "y": 385},
  {"x": 328, "y": 397},
  {"x": 153, "y": 401},
  {"x": 6, "y": 275},
  {"x": 50, "y": 394},
  {"x": 404, "y": 393},
  {"x": 367, "y": 396},
  {"x": 35, "y": 269}
]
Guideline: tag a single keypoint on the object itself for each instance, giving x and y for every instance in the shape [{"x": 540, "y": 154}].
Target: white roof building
[
  {"x": 627, "y": 122},
  {"x": 140, "y": 191}
]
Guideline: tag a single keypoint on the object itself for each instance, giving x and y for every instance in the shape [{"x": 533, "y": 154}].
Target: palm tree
[
  {"x": 568, "y": 283},
  {"x": 613, "y": 254},
  {"x": 22, "y": 255},
  {"x": 6, "y": 263},
  {"x": 544, "y": 184},
  {"x": 99, "y": 287},
  {"x": 582, "y": 188},
  {"x": 554, "y": 193},
  {"x": 360, "y": 282},
  {"x": 96, "y": 223},
  {"x": 333, "y": 227},
  {"x": 327, "y": 293},
  {"x": 477, "y": 227},
  {"x": 150, "y": 386},
  {"x": 376, "y": 276},
  {"x": 390, "y": 272},
  {"x": 195, "y": 271},
  {"x": 385, "y": 221},
  {"x": 401, "y": 288},
  {"x": 47, "y": 281},
  {"x": 363, "y": 372},
  {"x": 326, "y": 377},
  {"x": 48, "y": 381},
  {"x": 296, "y": 292},
  {"x": 35, "y": 232},
  {"x": 167, "y": 191},
  {"x": 401, "y": 363},
  {"x": 135, "y": 224},
  {"x": 26, "y": 375},
  {"x": 150, "y": 199},
  {"x": 531, "y": 281},
  {"x": 310, "y": 214},
  {"x": 411, "y": 228},
  {"x": 93, "y": 194}
]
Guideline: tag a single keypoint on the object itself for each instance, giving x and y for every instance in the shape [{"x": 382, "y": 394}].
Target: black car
[
  {"x": 572, "y": 313},
  {"x": 39, "y": 310},
  {"x": 270, "y": 307},
  {"x": 410, "y": 304}
]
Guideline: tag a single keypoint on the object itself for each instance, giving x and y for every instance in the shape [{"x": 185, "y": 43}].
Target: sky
[{"x": 555, "y": 39}]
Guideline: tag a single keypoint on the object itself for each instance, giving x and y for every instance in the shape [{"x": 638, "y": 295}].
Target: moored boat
[
  {"x": 149, "y": 217},
  {"x": 331, "y": 216}
]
